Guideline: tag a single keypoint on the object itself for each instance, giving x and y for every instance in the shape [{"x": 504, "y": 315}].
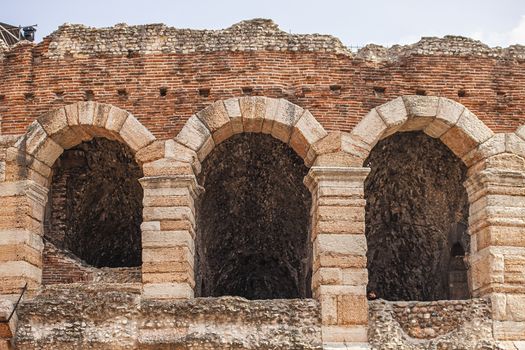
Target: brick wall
[{"x": 164, "y": 83}]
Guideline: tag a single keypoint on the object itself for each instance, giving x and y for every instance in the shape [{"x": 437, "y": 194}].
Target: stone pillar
[
  {"x": 168, "y": 233},
  {"x": 22, "y": 206},
  {"x": 339, "y": 253},
  {"x": 496, "y": 189}
]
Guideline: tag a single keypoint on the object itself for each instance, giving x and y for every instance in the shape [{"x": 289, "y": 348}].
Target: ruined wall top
[{"x": 251, "y": 35}]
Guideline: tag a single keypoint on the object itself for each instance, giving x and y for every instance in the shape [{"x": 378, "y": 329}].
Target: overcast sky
[{"x": 385, "y": 22}]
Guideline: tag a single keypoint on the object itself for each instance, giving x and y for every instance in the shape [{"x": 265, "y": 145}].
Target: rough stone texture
[
  {"x": 110, "y": 317},
  {"x": 95, "y": 206},
  {"x": 416, "y": 215},
  {"x": 431, "y": 325},
  {"x": 252, "y": 221}
]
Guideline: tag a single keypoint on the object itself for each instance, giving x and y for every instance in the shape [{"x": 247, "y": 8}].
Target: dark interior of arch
[
  {"x": 252, "y": 221},
  {"x": 416, "y": 220},
  {"x": 95, "y": 204}
]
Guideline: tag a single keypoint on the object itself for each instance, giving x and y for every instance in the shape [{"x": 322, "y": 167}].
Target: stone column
[
  {"x": 168, "y": 233},
  {"x": 496, "y": 189},
  {"x": 339, "y": 253},
  {"x": 22, "y": 206}
]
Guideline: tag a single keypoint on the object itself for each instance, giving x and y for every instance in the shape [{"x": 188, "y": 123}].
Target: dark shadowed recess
[
  {"x": 252, "y": 221},
  {"x": 95, "y": 204},
  {"x": 416, "y": 220}
]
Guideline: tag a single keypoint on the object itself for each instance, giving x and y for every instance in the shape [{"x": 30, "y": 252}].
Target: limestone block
[
  {"x": 167, "y": 267},
  {"x": 515, "y": 304},
  {"x": 54, "y": 121},
  {"x": 72, "y": 114},
  {"x": 153, "y": 151},
  {"x": 494, "y": 145},
  {"x": 165, "y": 166},
  {"x": 341, "y": 290},
  {"x": 328, "y": 309},
  {"x": 339, "y": 260},
  {"x": 168, "y": 201},
  {"x": 515, "y": 269},
  {"x": 285, "y": 118},
  {"x": 468, "y": 133},
  {"x": 370, "y": 129},
  {"x": 86, "y": 111},
  {"x": 19, "y": 269},
  {"x": 272, "y": 106},
  {"x": 72, "y": 136},
  {"x": 354, "y": 277},
  {"x": 234, "y": 113},
  {"x": 515, "y": 144},
  {"x": 166, "y": 225},
  {"x": 217, "y": 120},
  {"x": 159, "y": 239},
  {"x": 394, "y": 115},
  {"x": 305, "y": 133},
  {"x": 195, "y": 135},
  {"x": 326, "y": 275},
  {"x": 167, "y": 291},
  {"x": 160, "y": 255},
  {"x": 177, "y": 151},
  {"x": 100, "y": 115},
  {"x": 39, "y": 167},
  {"x": 344, "y": 244},
  {"x": 116, "y": 118},
  {"x": 421, "y": 106},
  {"x": 499, "y": 306},
  {"x": 253, "y": 112},
  {"x": 447, "y": 115},
  {"x": 169, "y": 213},
  {"x": 21, "y": 252},
  {"x": 509, "y": 330},
  {"x": 135, "y": 134},
  {"x": 169, "y": 277},
  {"x": 341, "y": 335},
  {"x": 352, "y": 310},
  {"x": 150, "y": 226},
  {"x": 48, "y": 152},
  {"x": 520, "y": 131},
  {"x": 500, "y": 236},
  {"x": 331, "y": 213},
  {"x": 36, "y": 135}
]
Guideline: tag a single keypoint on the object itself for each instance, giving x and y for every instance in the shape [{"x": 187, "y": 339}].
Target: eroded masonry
[{"x": 247, "y": 188}]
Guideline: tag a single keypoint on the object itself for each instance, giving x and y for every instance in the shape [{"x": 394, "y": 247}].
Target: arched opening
[
  {"x": 93, "y": 214},
  {"x": 253, "y": 221},
  {"x": 416, "y": 220}
]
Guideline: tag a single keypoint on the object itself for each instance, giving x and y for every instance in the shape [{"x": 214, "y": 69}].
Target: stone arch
[
  {"x": 34, "y": 154},
  {"x": 51, "y": 133},
  {"x": 439, "y": 117},
  {"x": 280, "y": 118},
  {"x": 220, "y": 124}
]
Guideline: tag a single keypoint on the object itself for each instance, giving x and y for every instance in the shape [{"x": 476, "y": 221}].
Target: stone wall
[
  {"x": 455, "y": 324},
  {"x": 101, "y": 317}
]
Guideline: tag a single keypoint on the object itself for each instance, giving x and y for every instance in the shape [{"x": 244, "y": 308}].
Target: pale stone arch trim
[
  {"x": 280, "y": 118},
  {"x": 438, "y": 117},
  {"x": 50, "y": 134}
]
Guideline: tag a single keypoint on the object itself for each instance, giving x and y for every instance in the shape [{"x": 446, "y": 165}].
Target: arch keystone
[
  {"x": 447, "y": 116},
  {"x": 253, "y": 112},
  {"x": 286, "y": 116}
]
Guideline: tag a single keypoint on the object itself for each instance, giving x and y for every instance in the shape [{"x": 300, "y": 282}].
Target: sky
[{"x": 355, "y": 23}]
